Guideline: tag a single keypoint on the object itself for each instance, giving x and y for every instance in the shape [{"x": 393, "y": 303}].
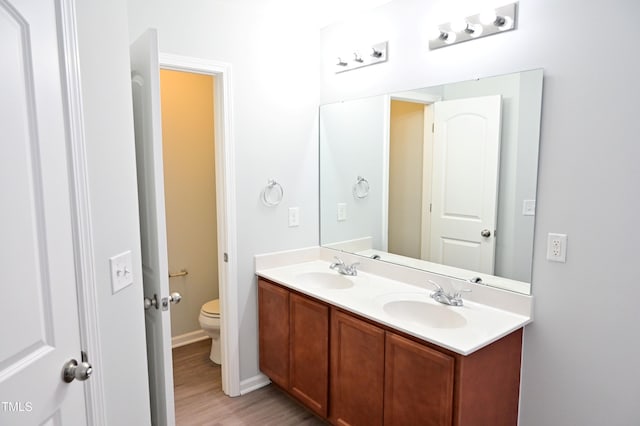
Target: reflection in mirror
[{"x": 450, "y": 174}]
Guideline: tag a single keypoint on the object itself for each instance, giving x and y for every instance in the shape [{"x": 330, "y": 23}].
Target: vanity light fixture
[
  {"x": 476, "y": 26},
  {"x": 378, "y": 54}
]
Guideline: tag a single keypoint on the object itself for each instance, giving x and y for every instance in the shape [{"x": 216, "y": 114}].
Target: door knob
[
  {"x": 148, "y": 302},
  {"x": 173, "y": 298},
  {"x": 485, "y": 233},
  {"x": 73, "y": 371}
]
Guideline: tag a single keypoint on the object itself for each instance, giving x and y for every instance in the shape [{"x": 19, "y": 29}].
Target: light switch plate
[
  {"x": 121, "y": 267},
  {"x": 529, "y": 207},
  {"x": 342, "y": 212}
]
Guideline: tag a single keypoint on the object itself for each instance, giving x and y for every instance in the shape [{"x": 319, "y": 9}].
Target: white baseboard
[
  {"x": 185, "y": 339},
  {"x": 253, "y": 383}
]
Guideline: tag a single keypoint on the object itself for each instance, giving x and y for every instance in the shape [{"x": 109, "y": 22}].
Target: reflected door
[
  {"x": 466, "y": 154},
  {"x": 38, "y": 308}
]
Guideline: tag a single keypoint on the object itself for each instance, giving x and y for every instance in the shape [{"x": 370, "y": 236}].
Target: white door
[
  {"x": 466, "y": 155},
  {"x": 38, "y": 309},
  {"x": 145, "y": 85}
]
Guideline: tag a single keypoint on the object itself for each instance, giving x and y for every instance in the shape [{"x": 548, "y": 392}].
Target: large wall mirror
[{"x": 441, "y": 178}]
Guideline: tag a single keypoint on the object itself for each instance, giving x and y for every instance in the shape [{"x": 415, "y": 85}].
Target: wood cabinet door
[
  {"x": 357, "y": 371},
  {"x": 273, "y": 329},
  {"x": 418, "y": 384},
  {"x": 309, "y": 334}
]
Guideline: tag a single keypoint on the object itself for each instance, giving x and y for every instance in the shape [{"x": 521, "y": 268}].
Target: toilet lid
[{"x": 212, "y": 307}]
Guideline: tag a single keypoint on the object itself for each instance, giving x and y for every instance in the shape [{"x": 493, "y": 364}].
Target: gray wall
[
  {"x": 275, "y": 74},
  {"x": 580, "y": 353},
  {"x": 108, "y": 124}
]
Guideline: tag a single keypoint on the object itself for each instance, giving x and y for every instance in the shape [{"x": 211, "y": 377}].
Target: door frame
[
  {"x": 225, "y": 206},
  {"x": 427, "y": 178},
  {"x": 86, "y": 283}
]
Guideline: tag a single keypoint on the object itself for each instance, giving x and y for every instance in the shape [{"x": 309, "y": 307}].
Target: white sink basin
[
  {"x": 325, "y": 280},
  {"x": 419, "y": 309}
]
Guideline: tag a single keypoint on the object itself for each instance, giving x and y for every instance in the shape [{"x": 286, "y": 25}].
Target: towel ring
[
  {"x": 272, "y": 193},
  {"x": 361, "y": 188}
]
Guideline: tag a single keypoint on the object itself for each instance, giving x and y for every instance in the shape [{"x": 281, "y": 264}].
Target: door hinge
[
  {"x": 430, "y": 207},
  {"x": 225, "y": 257},
  {"x": 433, "y": 127}
]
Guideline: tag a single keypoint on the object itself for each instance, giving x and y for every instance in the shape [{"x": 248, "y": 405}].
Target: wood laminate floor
[{"x": 200, "y": 401}]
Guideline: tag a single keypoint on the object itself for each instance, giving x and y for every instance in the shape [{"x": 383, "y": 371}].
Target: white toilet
[{"x": 210, "y": 324}]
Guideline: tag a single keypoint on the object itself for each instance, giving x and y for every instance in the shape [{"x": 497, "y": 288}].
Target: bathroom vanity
[{"x": 370, "y": 350}]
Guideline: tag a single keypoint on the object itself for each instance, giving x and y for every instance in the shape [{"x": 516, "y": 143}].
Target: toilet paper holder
[{"x": 182, "y": 273}]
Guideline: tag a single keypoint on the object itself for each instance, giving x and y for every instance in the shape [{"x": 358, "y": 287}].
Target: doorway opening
[
  {"x": 187, "y": 101},
  {"x": 215, "y": 196},
  {"x": 410, "y": 177}
]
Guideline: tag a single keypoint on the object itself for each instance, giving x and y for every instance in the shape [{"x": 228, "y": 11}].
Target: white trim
[
  {"x": 416, "y": 97},
  {"x": 81, "y": 220},
  {"x": 386, "y": 147},
  {"x": 427, "y": 178},
  {"x": 253, "y": 383},
  {"x": 226, "y": 205},
  {"x": 188, "y": 338}
]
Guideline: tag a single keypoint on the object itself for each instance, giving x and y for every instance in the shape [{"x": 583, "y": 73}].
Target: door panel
[
  {"x": 357, "y": 371},
  {"x": 309, "y": 371},
  {"x": 465, "y": 182},
  {"x": 273, "y": 323},
  {"x": 417, "y": 396},
  {"x": 145, "y": 85},
  {"x": 38, "y": 310}
]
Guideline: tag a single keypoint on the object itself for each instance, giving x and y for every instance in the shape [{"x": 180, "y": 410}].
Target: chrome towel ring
[
  {"x": 272, "y": 193},
  {"x": 361, "y": 188}
]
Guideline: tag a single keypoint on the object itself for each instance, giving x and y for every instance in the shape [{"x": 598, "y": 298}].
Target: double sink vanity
[
  {"x": 433, "y": 192},
  {"x": 375, "y": 348}
]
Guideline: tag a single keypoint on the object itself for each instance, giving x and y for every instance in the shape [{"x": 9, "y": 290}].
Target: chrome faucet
[
  {"x": 448, "y": 299},
  {"x": 343, "y": 268}
]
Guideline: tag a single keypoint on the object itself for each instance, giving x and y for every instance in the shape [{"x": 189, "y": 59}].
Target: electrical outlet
[
  {"x": 557, "y": 247},
  {"x": 294, "y": 217}
]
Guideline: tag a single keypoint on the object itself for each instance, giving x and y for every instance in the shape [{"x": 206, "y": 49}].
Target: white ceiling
[{"x": 319, "y": 13}]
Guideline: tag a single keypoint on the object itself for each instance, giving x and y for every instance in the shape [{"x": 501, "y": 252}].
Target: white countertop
[{"x": 475, "y": 325}]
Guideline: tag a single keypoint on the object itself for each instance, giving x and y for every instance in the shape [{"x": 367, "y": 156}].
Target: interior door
[
  {"x": 466, "y": 154},
  {"x": 38, "y": 308},
  {"x": 145, "y": 85}
]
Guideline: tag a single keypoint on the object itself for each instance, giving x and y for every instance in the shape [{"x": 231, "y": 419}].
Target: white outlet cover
[
  {"x": 557, "y": 247},
  {"x": 294, "y": 216},
  {"x": 121, "y": 267}
]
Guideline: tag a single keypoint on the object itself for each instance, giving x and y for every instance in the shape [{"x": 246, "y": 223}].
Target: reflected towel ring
[
  {"x": 361, "y": 188},
  {"x": 272, "y": 193}
]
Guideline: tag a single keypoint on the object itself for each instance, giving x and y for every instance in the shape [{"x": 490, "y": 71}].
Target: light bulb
[
  {"x": 459, "y": 25},
  {"x": 450, "y": 38},
  {"x": 434, "y": 33},
  {"x": 507, "y": 25},
  {"x": 488, "y": 17},
  {"x": 475, "y": 30}
]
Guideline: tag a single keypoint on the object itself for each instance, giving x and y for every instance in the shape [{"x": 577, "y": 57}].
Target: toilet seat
[{"x": 211, "y": 309}]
